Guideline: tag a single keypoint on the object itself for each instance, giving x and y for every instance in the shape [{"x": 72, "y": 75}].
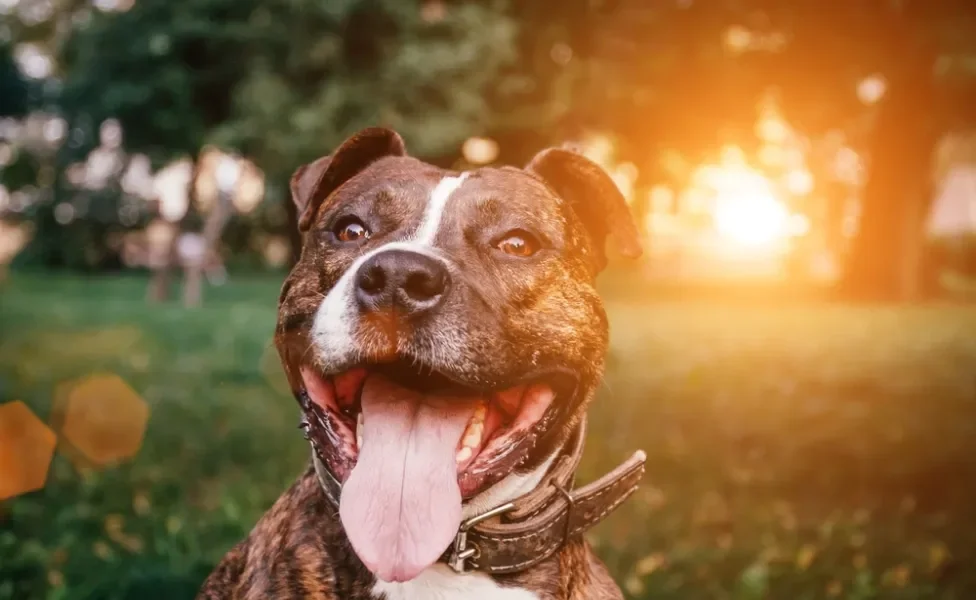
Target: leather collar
[{"x": 520, "y": 534}]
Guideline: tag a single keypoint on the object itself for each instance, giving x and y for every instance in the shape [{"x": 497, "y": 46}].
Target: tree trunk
[
  {"x": 213, "y": 229},
  {"x": 885, "y": 255},
  {"x": 159, "y": 282}
]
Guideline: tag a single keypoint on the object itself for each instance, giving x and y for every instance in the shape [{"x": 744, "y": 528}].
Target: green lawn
[{"x": 794, "y": 452}]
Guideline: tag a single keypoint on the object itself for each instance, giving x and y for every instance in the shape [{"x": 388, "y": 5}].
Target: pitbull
[{"x": 443, "y": 336}]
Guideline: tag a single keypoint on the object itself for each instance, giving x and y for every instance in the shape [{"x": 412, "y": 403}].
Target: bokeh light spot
[
  {"x": 737, "y": 39},
  {"x": 479, "y": 150},
  {"x": 26, "y": 448},
  {"x": 104, "y": 419},
  {"x": 871, "y": 89}
]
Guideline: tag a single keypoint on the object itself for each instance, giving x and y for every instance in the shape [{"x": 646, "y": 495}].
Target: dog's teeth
[
  {"x": 472, "y": 435},
  {"x": 471, "y": 439},
  {"x": 359, "y": 431},
  {"x": 479, "y": 414},
  {"x": 474, "y": 431}
]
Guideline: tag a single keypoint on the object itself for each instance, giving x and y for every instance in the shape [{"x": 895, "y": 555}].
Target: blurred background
[{"x": 796, "y": 351}]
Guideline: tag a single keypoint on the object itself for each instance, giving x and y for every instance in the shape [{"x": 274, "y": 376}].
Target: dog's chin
[{"x": 503, "y": 429}]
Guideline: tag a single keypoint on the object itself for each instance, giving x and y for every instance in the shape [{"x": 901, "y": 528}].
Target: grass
[{"x": 795, "y": 452}]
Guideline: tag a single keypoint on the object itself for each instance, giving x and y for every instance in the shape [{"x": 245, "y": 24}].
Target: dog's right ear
[{"x": 311, "y": 184}]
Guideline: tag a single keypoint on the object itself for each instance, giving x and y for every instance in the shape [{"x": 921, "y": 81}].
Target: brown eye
[
  {"x": 351, "y": 229},
  {"x": 519, "y": 243}
]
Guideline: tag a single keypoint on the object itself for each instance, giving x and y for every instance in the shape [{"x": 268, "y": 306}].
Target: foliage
[
  {"x": 657, "y": 69},
  {"x": 171, "y": 85},
  {"x": 332, "y": 70},
  {"x": 794, "y": 451},
  {"x": 89, "y": 244},
  {"x": 13, "y": 87},
  {"x": 283, "y": 82},
  {"x": 286, "y": 81}
]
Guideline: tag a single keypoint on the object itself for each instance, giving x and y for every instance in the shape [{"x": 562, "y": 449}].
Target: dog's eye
[
  {"x": 518, "y": 243},
  {"x": 350, "y": 229}
]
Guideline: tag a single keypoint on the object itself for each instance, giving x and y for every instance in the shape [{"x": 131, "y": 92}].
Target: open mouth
[
  {"x": 496, "y": 429},
  {"x": 410, "y": 444}
]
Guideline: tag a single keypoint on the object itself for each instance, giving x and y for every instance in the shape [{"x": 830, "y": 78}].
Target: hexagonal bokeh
[
  {"x": 26, "y": 448},
  {"x": 101, "y": 418}
]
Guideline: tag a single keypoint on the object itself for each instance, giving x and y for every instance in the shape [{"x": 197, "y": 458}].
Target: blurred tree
[
  {"x": 173, "y": 82},
  {"x": 13, "y": 85},
  {"x": 284, "y": 81},
  {"x": 329, "y": 69},
  {"x": 686, "y": 76}
]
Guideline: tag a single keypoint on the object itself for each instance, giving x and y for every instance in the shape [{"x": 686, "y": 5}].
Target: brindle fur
[{"x": 510, "y": 317}]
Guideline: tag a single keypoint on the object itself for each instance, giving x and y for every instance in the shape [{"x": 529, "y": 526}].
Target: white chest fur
[{"x": 439, "y": 582}]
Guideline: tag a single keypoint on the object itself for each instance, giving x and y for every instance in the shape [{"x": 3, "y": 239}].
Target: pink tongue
[{"x": 401, "y": 505}]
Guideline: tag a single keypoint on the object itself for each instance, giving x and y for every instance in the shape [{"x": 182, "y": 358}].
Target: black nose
[{"x": 406, "y": 281}]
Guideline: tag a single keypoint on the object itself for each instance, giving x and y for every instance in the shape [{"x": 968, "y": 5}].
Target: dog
[{"x": 444, "y": 338}]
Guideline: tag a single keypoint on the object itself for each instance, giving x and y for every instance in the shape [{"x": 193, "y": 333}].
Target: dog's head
[{"x": 442, "y": 330}]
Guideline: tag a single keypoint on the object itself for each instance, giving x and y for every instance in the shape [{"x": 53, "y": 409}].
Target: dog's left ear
[
  {"x": 593, "y": 196},
  {"x": 311, "y": 184}
]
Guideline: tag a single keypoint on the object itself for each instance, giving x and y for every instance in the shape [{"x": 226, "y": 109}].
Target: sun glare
[
  {"x": 746, "y": 210},
  {"x": 740, "y": 208}
]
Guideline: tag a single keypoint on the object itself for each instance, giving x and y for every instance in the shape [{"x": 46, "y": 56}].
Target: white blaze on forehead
[
  {"x": 333, "y": 331},
  {"x": 436, "y": 204}
]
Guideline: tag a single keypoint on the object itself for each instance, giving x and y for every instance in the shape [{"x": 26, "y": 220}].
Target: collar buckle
[{"x": 463, "y": 551}]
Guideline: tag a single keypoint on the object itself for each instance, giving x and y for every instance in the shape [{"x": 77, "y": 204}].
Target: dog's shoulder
[{"x": 293, "y": 552}]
